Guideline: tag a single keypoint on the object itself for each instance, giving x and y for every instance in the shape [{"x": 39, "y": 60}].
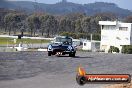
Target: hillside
[
  {"x": 98, "y": 7},
  {"x": 6, "y": 4},
  {"x": 67, "y": 7}
]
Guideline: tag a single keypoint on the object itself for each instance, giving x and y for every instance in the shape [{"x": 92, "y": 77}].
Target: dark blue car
[{"x": 62, "y": 45}]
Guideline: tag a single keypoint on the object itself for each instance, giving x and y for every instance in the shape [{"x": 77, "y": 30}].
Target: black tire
[
  {"x": 49, "y": 53},
  {"x": 72, "y": 55}
]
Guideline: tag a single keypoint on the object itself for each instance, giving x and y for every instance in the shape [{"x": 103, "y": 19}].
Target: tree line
[{"x": 77, "y": 25}]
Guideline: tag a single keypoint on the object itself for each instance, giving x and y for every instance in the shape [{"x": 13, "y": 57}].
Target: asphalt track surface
[{"x": 37, "y": 70}]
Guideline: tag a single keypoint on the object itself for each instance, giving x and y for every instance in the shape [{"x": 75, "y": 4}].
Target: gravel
[{"x": 37, "y": 70}]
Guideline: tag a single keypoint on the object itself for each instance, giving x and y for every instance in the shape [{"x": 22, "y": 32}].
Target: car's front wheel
[
  {"x": 49, "y": 53},
  {"x": 72, "y": 55}
]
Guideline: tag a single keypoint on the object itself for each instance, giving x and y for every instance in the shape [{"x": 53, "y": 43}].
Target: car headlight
[
  {"x": 50, "y": 47},
  {"x": 70, "y": 47}
]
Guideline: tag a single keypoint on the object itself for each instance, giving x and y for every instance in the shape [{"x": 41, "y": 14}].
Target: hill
[{"x": 64, "y": 7}]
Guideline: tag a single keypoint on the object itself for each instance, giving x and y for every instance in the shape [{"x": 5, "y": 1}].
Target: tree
[
  {"x": 78, "y": 26},
  {"x": 22, "y": 27},
  {"x": 3, "y": 13},
  {"x": 12, "y": 21},
  {"x": 20, "y": 23},
  {"x": 128, "y": 19},
  {"x": 43, "y": 24},
  {"x": 33, "y": 23},
  {"x": 85, "y": 24},
  {"x": 49, "y": 25},
  {"x": 66, "y": 25},
  {"x": 2, "y": 20},
  {"x": 9, "y": 22},
  {"x": 105, "y": 16},
  {"x": 75, "y": 16}
]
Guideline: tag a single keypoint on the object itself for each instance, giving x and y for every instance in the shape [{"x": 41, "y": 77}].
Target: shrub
[
  {"x": 127, "y": 49},
  {"x": 113, "y": 49},
  {"x": 96, "y": 36}
]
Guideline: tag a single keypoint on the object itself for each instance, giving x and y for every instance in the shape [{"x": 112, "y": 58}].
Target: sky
[{"x": 126, "y": 4}]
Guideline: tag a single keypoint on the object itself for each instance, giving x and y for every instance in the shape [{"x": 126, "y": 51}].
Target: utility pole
[{"x": 91, "y": 37}]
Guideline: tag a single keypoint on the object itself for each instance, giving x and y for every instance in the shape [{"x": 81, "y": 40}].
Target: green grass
[{"x": 5, "y": 40}]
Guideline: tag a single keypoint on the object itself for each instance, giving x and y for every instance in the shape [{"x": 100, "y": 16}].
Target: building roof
[
  {"x": 107, "y": 22},
  {"x": 111, "y": 22}
]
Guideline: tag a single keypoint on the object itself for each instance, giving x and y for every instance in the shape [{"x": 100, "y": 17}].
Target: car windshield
[{"x": 67, "y": 41}]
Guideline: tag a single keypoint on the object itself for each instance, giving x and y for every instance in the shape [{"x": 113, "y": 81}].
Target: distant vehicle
[{"x": 62, "y": 45}]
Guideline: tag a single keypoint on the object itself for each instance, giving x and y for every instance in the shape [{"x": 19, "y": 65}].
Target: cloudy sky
[{"x": 121, "y": 3}]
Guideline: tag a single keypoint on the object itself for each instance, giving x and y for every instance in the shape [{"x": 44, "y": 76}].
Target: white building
[
  {"x": 91, "y": 45},
  {"x": 115, "y": 33}
]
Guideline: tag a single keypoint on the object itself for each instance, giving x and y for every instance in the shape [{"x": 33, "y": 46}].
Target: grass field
[{"x": 5, "y": 40}]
